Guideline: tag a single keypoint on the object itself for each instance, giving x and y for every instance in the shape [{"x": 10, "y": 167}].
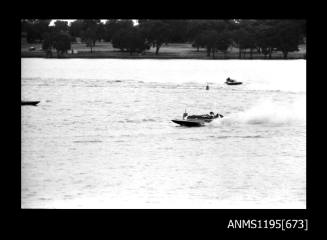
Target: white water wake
[{"x": 270, "y": 112}]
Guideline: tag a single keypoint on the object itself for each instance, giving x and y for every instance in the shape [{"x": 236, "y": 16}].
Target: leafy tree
[
  {"x": 113, "y": 26},
  {"x": 270, "y": 35},
  {"x": 199, "y": 41},
  {"x": 35, "y": 28},
  {"x": 217, "y": 25},
  {"x": 195, "y": 33},
  {"x": 131, "y": 40},
  {"x": 280, "y": 35},
  {"x": 223, "y": 41},
  {"x": 178, "y": 30},
  {"x": 210, "y": 40},
  {"x": 243, "y": 35},
  {"x": 193, "y": 29},
  {"x": 246, "y": 41},
  {"x": 80, "y": 27},
  {"x": 76, "y": 28},
  {"x": 62, "y": 43},
  {"x": 25, "y": 23},
  {"x": 90, "y": 36},
  {"x": 100, "y": 32},
  {"x": 136, "y": 41},
  {"x": 201, "y": 31},
  {"x": 31, "y": 33},
  {"x": 61, "y": 26},
  {"x": 288, "y": 36},
  {"x": 251, "y": 36},
  {"x": 48, "y": 43},
  {"x": 156, "y": 31},
  {"x": 266, "y": 38},
  {"x": 119, "y": 39}
]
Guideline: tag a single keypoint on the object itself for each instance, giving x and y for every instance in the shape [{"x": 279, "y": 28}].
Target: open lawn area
[{"x": 169, "y": 51}]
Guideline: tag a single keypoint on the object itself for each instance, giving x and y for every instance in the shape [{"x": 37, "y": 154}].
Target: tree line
[{"x": 248, "y": 35}]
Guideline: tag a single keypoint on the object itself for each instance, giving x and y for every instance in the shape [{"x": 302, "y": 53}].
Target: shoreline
[
  {"x": 161, "y": 56},
  {"x": 170, "y": 51}
]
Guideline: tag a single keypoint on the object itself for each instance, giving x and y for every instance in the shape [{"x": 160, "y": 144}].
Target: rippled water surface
[{"x": 102, "y": 135}]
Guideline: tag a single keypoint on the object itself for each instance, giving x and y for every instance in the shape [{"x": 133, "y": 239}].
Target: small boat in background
[
  {"x": 232, "y": 82},
  {"x": 33, "y": 103}
]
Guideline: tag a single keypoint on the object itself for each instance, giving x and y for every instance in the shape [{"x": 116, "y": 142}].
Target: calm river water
[{"x": 101, "y": 136}]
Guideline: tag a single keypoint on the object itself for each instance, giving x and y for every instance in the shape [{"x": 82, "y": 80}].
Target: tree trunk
[
  {"x": 240, "y": 53},
  {"x": 198, "y": 48},
  {"x": 60, "y": 53},
  {"x": 49, "y": 53},
  {"x": 285, "y": 53},
  {"x": 213, "y": 53},
  {"x": 157, "y": 49},
  {"x": 251, "y": 53},
  {"x": 270, "y": 51},
  {"x": 208, "y": 52}
]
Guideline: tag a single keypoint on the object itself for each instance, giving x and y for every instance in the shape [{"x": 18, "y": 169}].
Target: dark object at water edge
[{"x": 33, "y": 103}]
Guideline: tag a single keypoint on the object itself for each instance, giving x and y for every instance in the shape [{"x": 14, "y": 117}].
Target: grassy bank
[{"x": 170, "y": 51}]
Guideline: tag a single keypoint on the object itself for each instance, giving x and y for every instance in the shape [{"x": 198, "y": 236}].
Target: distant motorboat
[
  {"x": 232, "y": 82},
  {"x": 33, "y": 103}
]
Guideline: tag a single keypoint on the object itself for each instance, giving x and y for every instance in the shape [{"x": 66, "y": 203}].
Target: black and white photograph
[{"x": 163, "y": 114}]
